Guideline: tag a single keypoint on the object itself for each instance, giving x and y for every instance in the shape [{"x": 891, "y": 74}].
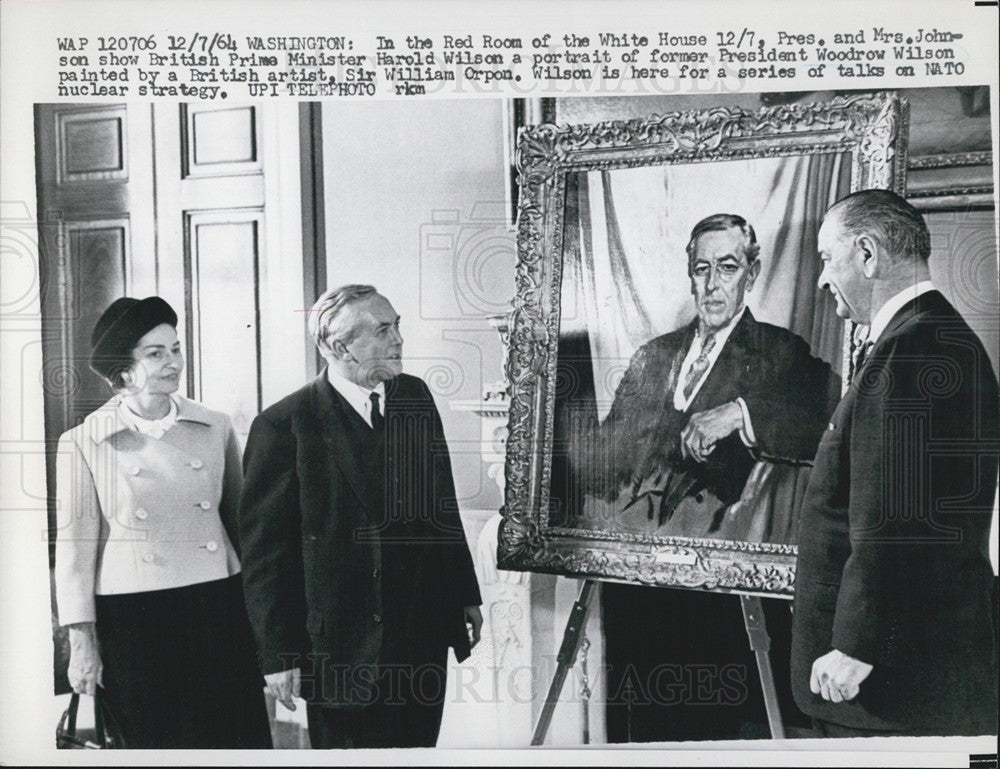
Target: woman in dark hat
[{"x": 147, "y": 559}]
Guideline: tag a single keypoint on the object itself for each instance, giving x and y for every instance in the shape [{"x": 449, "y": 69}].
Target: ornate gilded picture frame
[{"x": 604, "y": 215}]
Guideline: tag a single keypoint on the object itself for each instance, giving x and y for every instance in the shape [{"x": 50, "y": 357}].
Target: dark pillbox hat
[{"x": 123, "y": 324}]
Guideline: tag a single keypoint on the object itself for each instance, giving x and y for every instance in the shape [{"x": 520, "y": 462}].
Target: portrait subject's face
[
  {"x": 720, "y": 276},
  {"x": 842, "y": 273},
  {"x": 377, "y": 346},
  {"x": 158, "y": 361}
]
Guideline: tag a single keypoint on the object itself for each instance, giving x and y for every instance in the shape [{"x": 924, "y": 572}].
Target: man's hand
[
  {"x": 284, "y": 685},
  {"x": 85, "y": 670},
  {"x": 706, "y": 428},
  {"x": 473, "y": 623},
  {"x": 838, "y": 677}
]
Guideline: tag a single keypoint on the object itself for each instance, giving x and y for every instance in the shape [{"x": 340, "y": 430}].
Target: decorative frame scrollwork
[
  {"x": 949, "y": 181},
  {"x": 871, "y": 127}
]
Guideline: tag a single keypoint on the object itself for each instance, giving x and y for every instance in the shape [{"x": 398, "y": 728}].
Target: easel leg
[
  {"x": 566, "y": 659},
  {"x": 760, "y": 643}
]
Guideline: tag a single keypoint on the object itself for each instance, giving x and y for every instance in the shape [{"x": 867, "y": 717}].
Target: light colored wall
[{"x": 415, "y": 206}]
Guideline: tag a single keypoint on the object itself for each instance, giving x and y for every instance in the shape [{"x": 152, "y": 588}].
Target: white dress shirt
[
  {"x": 357, "y": 396},
  {"x": 721, "y": 337}
]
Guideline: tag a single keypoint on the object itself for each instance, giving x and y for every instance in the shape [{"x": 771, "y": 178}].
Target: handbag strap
[
  {"x": 100, "y": 735},
  {"x": 67, "y": 722},
  {"x": 107, "y": 735}
]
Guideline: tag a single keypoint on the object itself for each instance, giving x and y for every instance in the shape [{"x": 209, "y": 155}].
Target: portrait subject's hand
[
  {"x": 284, "y": 685},
  {"x": 838, "y": 677},
  {"x": 473, "y": 623},
  {"x": 85, "y": 671},
  {"x": 706, "y": 428}
]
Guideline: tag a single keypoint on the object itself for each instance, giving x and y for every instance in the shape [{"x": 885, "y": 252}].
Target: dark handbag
[{"x": 106, "y": 732}]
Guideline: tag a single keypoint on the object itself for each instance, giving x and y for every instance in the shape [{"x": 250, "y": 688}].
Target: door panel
[{"x": 224, "y": 340}]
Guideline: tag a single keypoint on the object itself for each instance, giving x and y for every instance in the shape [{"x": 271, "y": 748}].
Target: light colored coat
[{"x": 136, "y": 513}]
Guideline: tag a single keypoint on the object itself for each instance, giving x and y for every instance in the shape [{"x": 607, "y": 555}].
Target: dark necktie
[
  {"x": 378, "y": 421},
  {"x": 700, "y": 365}
]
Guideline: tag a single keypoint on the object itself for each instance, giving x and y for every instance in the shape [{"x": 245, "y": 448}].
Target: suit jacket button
[
  {"x": 205, "y": 505},
  {"x": 377, "y": 618},
  {"x": 197, "y": 464},
  {"x": 376, "y": 573},
  {"x": 211, "y": 546},
  {"x": 147, "y": 557},
  {"x": 699, "y": 497},
  {"x": 134, "y": 470},
  {"x": 141, "y": 514}
]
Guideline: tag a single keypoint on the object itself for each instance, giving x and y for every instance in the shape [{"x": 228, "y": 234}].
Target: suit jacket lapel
[
  {"x": 731, "y": 368},
  {"x": 331, "y": 411}
]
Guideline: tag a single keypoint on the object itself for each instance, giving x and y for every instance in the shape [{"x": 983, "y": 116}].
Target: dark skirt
[{"x": 180, "y": 668}]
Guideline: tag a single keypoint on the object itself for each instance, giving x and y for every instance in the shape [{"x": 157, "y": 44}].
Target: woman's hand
[{"x": 85, "y": 668}]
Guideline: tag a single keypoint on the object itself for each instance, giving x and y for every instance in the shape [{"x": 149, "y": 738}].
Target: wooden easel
[{"x": 760, "y": 644}]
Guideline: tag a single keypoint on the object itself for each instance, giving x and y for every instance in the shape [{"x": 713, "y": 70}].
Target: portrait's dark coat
[
  {"x": 788, "y": 393},
  {"x": 330, "y": 513},
  {"x": 893, "y": 565}
]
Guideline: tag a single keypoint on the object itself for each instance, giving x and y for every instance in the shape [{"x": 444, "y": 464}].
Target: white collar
[
  {"x": 721, "y": 337},
  {"x": 355, "y": 394},
  {"x": 155, "y": 428},
  {"x": 894, "y": 305},
  {"x": 104, "y": 422}
]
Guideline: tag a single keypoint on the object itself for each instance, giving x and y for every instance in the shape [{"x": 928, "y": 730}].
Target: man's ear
[
  {"x": 752, "y": 274},
  {"x": 868, "y": 251},
  {"x": 339, "y": 350}
]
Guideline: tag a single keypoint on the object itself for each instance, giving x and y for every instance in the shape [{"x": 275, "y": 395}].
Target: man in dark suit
[
  {"x": 695, "y": 412},
  {"x": 700, "y": 406},
  {"x": 356, "y": 571},
  {"x": 892, "y": 630}
]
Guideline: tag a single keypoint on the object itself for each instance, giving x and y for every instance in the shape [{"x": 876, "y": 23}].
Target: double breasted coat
[
  {"x": 137, "y": 514},
  {"x": 326, "y": 513},
  {"x": 893, "y": 565}
]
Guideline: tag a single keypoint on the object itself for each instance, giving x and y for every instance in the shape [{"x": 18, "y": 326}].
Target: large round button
[
  {"x": 205, "y": 505},
  {"x": 134, "y": 470},
  {"x": 141, "y": 514},
  {"x": 197, "y": 464},
  {"x": 147, "y": 557},
  {"x": 211, "y": 546}
]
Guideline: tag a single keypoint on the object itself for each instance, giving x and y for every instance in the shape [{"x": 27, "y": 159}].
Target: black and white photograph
[{"x": 468, "y": 423}]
